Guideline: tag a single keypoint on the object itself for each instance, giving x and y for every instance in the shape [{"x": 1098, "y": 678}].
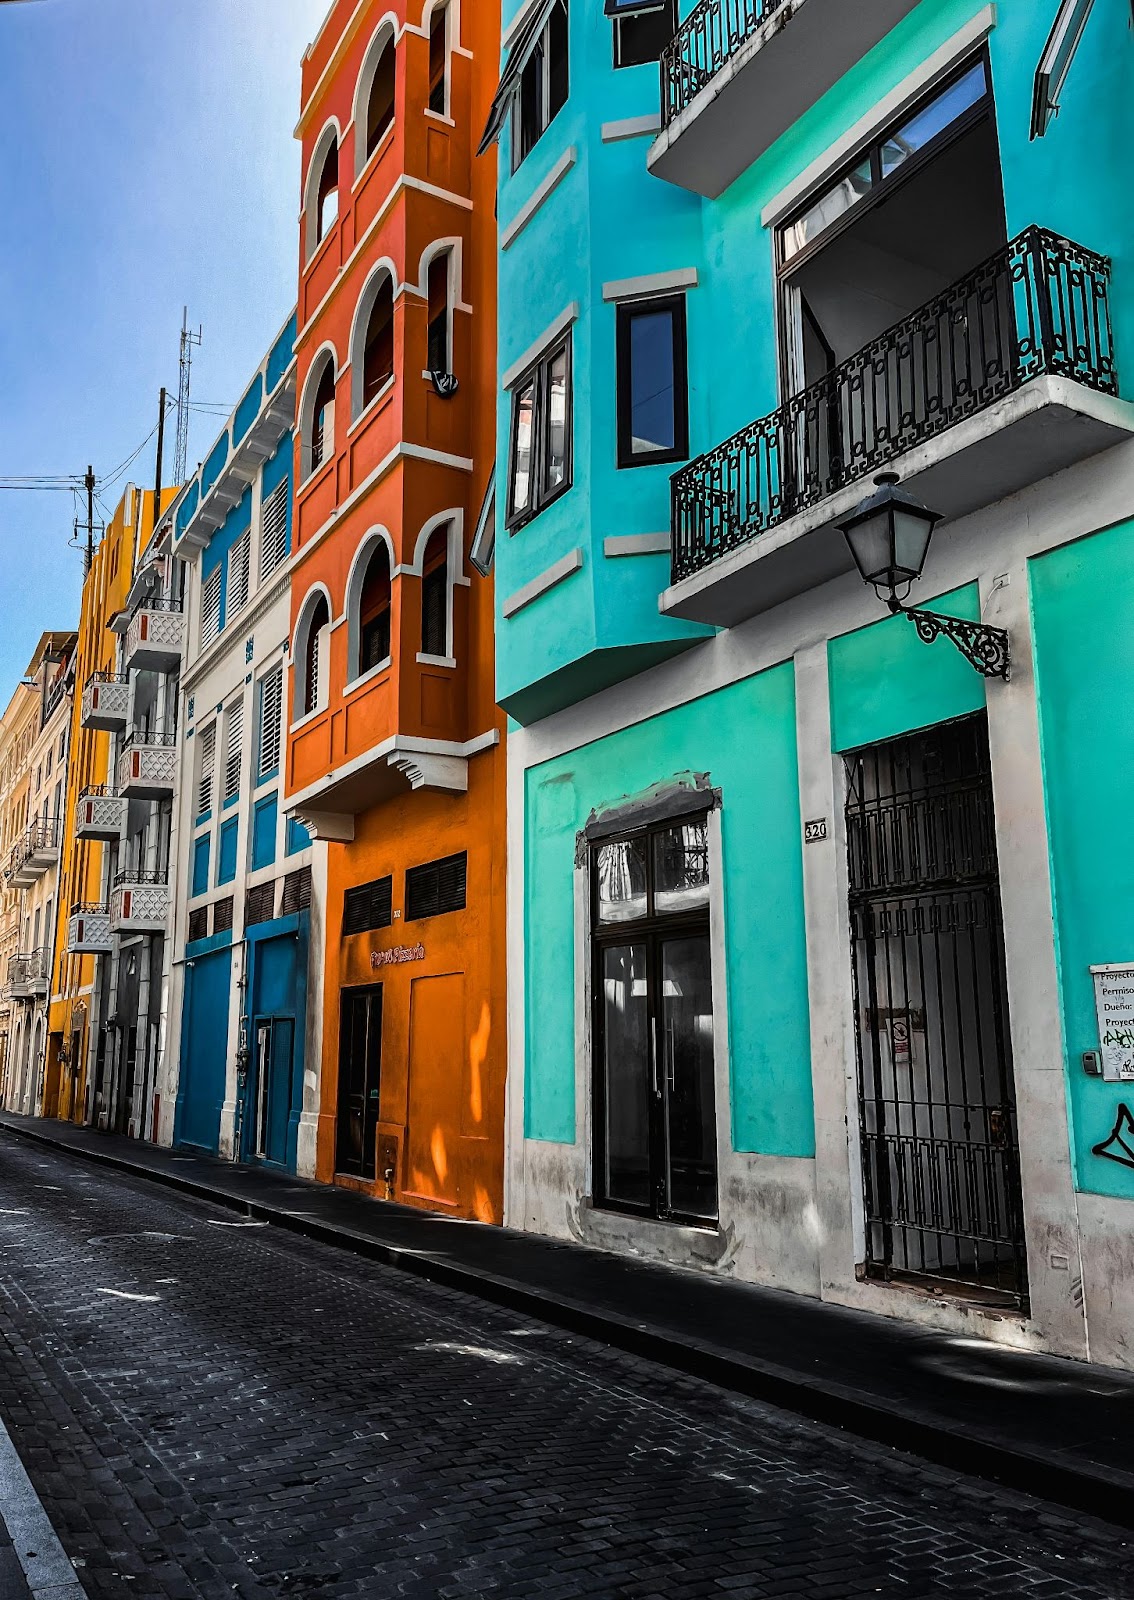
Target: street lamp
[{"x": 889, "y": 538}]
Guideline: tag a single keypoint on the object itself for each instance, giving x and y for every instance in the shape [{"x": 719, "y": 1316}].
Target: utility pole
[
  {"x": 89, "y": 485},
  {"x": 160, "y": 449},
  {"x": 181, "y": 454}
]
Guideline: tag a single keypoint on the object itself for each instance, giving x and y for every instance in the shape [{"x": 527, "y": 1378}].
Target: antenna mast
[{"x": 181, "y": 453}]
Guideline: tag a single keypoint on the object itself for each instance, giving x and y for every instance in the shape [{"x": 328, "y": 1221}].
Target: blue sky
[{"x": 148, "y": 163}]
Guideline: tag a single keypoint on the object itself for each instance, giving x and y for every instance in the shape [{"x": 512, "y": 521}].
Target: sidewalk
[{"x": 1052, "y": 1428}]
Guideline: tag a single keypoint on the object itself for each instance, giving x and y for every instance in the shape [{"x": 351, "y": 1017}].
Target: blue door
[
  {"x": 204, "y": 1051},
  {"x": 275, "y": 1050},
  {"x": 273, "y": 1098}
]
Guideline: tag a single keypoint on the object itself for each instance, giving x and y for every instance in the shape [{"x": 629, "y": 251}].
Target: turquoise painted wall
[
  {"x": 1082, "y": 599},
  {"x": 885, "y": 682},
  {"x": 744, "y": 737}
]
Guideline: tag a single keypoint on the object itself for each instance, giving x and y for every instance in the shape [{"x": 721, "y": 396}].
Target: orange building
[{"x": 395, "y": 747}]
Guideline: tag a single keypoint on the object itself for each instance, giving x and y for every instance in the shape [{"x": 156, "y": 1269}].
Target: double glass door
[
  {"x": 360, "y": 1068},
  {"x": 655, "y": 1105}
]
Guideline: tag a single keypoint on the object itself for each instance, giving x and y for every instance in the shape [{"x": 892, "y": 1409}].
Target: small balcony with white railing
[
  {"x": 88, "y": 930},
  {"x": 35, "y": 852},
  {"x": 147, "y": 767},
  {"x": 101, "y": 813},
  {"x": 139, "y": 902},
  {"x": 106, "y": 702},
  {"x": 155, "y": 636}
]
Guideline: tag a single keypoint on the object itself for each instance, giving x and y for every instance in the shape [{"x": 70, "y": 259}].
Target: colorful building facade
[
  {"x": 246, "y": 934},
  {"x": 809, "y": 919},
  {"x": 394, "y": 759}
]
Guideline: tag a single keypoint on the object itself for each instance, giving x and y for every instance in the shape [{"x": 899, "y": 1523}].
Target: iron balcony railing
[
  {"x": 131, "y": 877},
  {"x": 36, "y": 837},
  {"x": 150, "y": 741},
  {"x": 108, "y": 677},
  {"x": 711, "y": 33},
  {"x": 1038, "y": 307},
  {"x": 90, "y": 908},
  {"x": 156, "y": 602}
]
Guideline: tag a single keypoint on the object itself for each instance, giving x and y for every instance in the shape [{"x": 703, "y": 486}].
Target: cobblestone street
[{"x": 210, "y": 1407}]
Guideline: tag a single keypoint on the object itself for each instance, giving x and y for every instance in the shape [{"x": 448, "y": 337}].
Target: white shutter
[
  {"x": 206, "y": 762},
  {"x": 268, "y": 737},
  {"x": 273, "y": 538},
  {"x": 238, "y": 574},
  {"x": 210, "y": 607},
  {"x": 233, "y": 741}
]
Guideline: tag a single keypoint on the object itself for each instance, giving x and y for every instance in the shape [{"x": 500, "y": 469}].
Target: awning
[
  {"x": 518, "y": 57},
  {"x": 1055, "y": 63}
]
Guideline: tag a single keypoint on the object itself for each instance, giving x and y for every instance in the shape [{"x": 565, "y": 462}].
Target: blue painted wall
[{"x": 204, "y": 1051}]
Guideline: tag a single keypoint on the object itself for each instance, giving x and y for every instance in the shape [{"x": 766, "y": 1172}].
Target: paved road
[{"x": 209, "y": 1408}]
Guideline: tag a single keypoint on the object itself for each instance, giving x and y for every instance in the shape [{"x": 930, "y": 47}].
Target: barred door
[{"x": 937, "y": 1104}]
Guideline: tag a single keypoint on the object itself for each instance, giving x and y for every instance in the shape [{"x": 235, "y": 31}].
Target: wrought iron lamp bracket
[{"x": 984, "y": 648}]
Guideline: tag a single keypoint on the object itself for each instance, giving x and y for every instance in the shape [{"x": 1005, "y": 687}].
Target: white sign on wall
[{"x": 1114, "y": 1003}]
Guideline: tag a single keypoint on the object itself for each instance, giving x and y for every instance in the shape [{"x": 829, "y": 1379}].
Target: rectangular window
[
  {"x": 653, "y": 404},
  {"x": 233, "y": 750},
  {"x": 222, "y": 916},
  {"x": 227, "y": 842},
  {"x": 198, "y": 925},
  {"x": 370, "y": 905},
  {"x": 296, "y": 892},
  {"x": 540, "y": 460},
  {"x": 200, "y": 881},
  {"x": 438, "y": 60},
  {"x": 436, "y": 887},
  {"x": 265, "y": 817},
  {"x": 437, "y": 359},
  {"x": 260, "y": 904},
  {"x": 238, "y": 575},
  {"x": 206, "y": 765},
  {"x": 544, "y": 86},
  {"x": 210, "y": 606},
  {"x": 268, "y": 724},
  {"x": 642, "y": 29},
  {"x": 273, "y": 536},
  {"x": 654, "y": 1094}
]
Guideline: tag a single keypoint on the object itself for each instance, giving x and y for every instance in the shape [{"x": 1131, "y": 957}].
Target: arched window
[
  {"x": 321, "y": 431},
  {"x": 327, "y": 195},
  {"x": 311, "y": 663},
  {"x": 378, "y": 349},
  {"x": 380, "y": 103},
  {"x": 439, "y": 357},
  {"x": 439, "y": 60},
  {"x": 435, "y": 594},
  {"x": 374, "y": 610}
]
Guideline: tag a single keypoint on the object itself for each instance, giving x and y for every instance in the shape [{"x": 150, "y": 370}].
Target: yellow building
[
  {"x": 101, "y": 710},
  {"x": 18, "y": 728}
]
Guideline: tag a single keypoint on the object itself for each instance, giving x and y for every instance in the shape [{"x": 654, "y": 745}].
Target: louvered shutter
[
  {"x": 368, "y": 906},
  {"x": 206, "y": 762},
  {"x": 238, "y": 574},
  {"x": 273, "y": 539},
  {"x": 268, "y": 733},
  {"x": 233, "y": 739},
  {"x": 210, "y": 607},
  {"x": 436, "y": 887}
]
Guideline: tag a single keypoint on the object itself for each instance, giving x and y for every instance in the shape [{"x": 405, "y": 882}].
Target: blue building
[
  {"x": 815, "y": 915},
  {"x": 243, "y": 871}
]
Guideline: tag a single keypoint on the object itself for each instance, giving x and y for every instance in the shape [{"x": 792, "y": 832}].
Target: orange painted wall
[{"x": 444, "y": 1028}]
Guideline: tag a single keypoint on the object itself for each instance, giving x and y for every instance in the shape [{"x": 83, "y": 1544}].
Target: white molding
[
  {"x": 911, "y": 88},
  {"x": 435, "y": 661},
  {"x": 392, "y": 750},
  {"x": 636, "y": 544},
  {"x": 548, "y": 579},
  {"x": 632, "y": 128},
  {"x": 366, "y": 677},
  {"x": 651, "y": 283},
  {"x": 563, "y": 321},
  {"x": 542, "y": 191}
]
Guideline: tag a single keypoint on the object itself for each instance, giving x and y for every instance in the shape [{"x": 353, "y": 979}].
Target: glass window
[
  {"x": 380, "y": 107},
  {"x": 933, "y": 119},
  {"x": 681, "y": 867},
  {"x": 625, "y": 1039},
  {"x": 439, "y": 61},
  {"x": 828, "y": 209},
  {"x": 621, "y": 880},
  {"x": 540, "y": 466},
  {"x": 557, "y": 421},
  {"x": 652, "y": 382},
  {"x": 544, "y": 85},
  {"x": 641, "y": 32}
]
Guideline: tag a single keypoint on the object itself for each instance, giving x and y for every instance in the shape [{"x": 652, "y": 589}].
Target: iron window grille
[
  {"x": 539, "y": 460},
  {"x": 368, "y": 906},
  {"x": 437, "y": 887}
]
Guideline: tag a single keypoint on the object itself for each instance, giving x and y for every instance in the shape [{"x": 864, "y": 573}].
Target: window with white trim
[
  {"x": 268, "y": 723},
  {"x": 239, "y": 561},
  {"x": 233, "y": 749},
  {"x": 206, "y": 765},
  {"x": 273, "y": 534},
  {"x": 439, "y": 60},
  {"x": 210, "y": 606}
]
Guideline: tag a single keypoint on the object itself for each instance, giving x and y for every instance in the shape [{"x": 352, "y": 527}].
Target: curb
[
  {"x": 46, "y": 1566},
  {"x": 957, "y": 1448}
]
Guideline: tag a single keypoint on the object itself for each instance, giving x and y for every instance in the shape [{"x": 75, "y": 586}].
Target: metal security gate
[{"x": 937, "y": 1105}]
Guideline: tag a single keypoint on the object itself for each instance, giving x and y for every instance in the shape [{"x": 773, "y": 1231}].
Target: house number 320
[{"x": 814, "y": 831}]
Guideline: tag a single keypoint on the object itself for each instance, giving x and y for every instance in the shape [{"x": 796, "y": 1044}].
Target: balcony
[
  {"x": 147, "y": 767},
  {"x": 100, "y": 814},
  {"x": 139, "y": 902},
  {"x": 88, "y": 931},
  {"x": 155, "y": 637},
  {"x": 29, "y": 975},
  {"x": 106, "y": 702},
  {"x": 1003, "y": 379},
  {"x": 34, "y": 853},
  {"x": 739, "y": 73}
]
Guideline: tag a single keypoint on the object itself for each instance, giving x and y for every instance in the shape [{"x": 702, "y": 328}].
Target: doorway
[
  {"x": 360, "y": 1072},
  {"x": 936, "y": 1095},
  {"x": 654, "y": 1091},
  {"x": 275, "y": 1051}
]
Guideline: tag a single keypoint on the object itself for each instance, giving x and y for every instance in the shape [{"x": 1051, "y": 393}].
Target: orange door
[{"x": 436, "y": 1073}]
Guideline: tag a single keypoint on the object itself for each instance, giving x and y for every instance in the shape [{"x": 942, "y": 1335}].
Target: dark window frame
[
  {"x": 623, "y": 19},
  {"x": 539, "y": 372},
  {"x": 368, "y": 907},
  {"x": 417, "y": 875},
  {"x": 524, "y": 138},
  {"x": 625, "y": 312}
]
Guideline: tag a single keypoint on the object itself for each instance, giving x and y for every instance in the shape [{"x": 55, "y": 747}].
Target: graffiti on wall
[{"x": 1119, "y": 1144}]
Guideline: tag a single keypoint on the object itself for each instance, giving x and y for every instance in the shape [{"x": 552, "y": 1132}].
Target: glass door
[
  {"x": 654, "y": 1091},
  {"x": 360, "y": 1065}
]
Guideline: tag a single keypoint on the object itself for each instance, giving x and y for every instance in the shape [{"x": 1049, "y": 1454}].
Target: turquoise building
[
  {"x": 821, "y": 938},
  {"x": 246, "y": 957}
]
